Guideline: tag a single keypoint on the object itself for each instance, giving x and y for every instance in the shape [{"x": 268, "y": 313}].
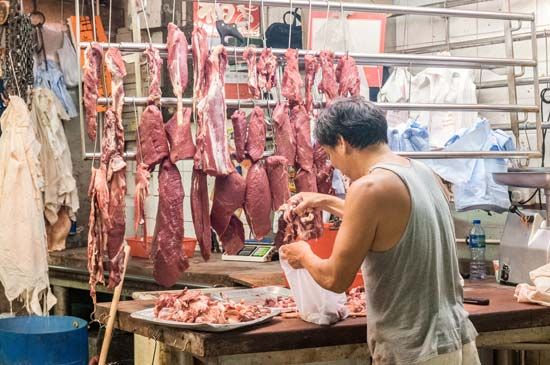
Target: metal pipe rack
[
  {"x": 249, "y": 103},
  {"x": 397, "y": 59}
]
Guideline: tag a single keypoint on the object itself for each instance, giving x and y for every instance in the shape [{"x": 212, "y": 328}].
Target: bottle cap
[{"x": 477, "y": 221}]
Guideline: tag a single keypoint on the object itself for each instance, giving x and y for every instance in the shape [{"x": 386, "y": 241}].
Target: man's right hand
[{"x": 307, "y": 200}]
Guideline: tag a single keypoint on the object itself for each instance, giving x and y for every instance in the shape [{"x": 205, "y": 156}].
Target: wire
[{"x": 154, "y": 353}]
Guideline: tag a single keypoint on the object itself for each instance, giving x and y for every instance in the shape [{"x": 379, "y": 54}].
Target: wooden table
[
  {"x": 289, "y": 341},
  {"x": 68, "y": 269}
]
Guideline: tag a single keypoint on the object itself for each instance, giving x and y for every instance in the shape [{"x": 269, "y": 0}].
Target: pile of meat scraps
[
  {"x": 356, "y": 302},
  {"x": 195, "y": 307},
  {"x": 294, "y": 227}
]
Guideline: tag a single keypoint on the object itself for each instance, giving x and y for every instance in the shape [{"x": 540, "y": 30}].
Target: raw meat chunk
[{"x": 255, "y": 140}]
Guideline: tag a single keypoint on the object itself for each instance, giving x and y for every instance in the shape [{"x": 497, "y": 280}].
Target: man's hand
[
  {"x": 307, "y": 200},
  {"x": 295, "y": 252}
]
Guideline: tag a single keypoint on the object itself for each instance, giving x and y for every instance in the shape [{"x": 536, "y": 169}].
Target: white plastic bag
[
  {"x": 68, "y": 62},
  {"x": 315, "y": 304}
]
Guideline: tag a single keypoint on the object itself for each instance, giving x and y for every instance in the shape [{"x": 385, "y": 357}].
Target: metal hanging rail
[
  {"x": 525, "y": 81},
  {"x": 131, "y": 155},
  {"x": 167, "y": 101},
  {"x": 488, "y": 41},
  {"x": 387, "y": 59},
  {"x": 380, "y": 8}
]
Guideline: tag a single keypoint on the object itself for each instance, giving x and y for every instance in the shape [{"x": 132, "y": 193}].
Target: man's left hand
[{"x": 294, "y": 253}]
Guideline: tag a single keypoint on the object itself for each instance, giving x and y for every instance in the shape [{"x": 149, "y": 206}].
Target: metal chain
[{"x": 20, "y": 44}]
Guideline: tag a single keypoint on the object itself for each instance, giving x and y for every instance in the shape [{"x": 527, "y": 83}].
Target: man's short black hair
[{"x": 358, "y": 121}]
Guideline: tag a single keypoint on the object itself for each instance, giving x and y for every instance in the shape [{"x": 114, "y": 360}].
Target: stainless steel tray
[
  {"x": 255, "y": 296},
  {"x": 525, "y": 179},
  {"x": 147, "y": 315}
]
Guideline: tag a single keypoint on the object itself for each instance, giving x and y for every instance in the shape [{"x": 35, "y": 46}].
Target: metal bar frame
[
  {"x": 488, "y": 41},
  {"x": 388, "y": 9},
  {"x": 525, "y": 81},
  {"x": 170, "y": 101},
  {"x": 384, "y": 59},
  {"x": 388, "y": 59}
]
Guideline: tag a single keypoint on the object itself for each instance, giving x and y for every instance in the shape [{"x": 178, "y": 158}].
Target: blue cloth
[
  {"x": 53, "y": 79},
  {"x": 409, "y": 137},
  {"x": 472, "y": 179}
]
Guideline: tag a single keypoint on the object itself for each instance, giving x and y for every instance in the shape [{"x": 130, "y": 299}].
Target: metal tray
[
  {"x": 256, "y": 296},
  {"x": 148, "y": 316}
]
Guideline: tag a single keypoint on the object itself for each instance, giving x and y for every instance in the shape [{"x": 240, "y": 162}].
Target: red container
[
  {"x": 322, "y": 247},
  {"x": 139, "y": 249}
]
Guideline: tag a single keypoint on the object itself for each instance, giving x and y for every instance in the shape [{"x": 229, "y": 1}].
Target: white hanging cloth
[
  {"x": 23, "y": 251},
  {"x": 60, "y": 190}
]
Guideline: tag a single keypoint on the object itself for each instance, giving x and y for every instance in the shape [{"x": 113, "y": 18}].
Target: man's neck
[{"x": 366, "y": 158}]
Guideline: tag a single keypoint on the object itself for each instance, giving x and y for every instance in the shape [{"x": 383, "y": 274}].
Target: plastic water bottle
[{"x": 477, "y": 249}]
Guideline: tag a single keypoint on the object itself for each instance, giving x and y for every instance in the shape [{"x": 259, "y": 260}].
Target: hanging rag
[
  {"x": 23, "y": 253},
  {"x": 409, "y": 137},
  {"x": 52, "y": 78},
  {"x": 472, "y": 179},
  {"x": 68, "y": 62},
  {"x": 446, "y": 86},
  {"x": 538, "y": 293},
  {"x": 60, "y": 188},
  {"x": 396, "y": 90}
]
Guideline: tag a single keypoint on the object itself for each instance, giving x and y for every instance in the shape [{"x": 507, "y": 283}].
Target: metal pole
[
  {"x": 391, "y": 9},
  {"x": 143, "y": 100},
  {"x": 488, "y": 41},
  {"x": 388, "y": 59},
  {"x": 536, "y": 86},
  {"x": 131, "y": 155},
  {"x": 510, "y": 71},
  {"x": 526, "y": 81},
  {"x": 80, "y": 98}
]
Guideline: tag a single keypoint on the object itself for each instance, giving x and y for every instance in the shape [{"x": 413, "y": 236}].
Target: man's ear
[{"x": 343, "y": 145}]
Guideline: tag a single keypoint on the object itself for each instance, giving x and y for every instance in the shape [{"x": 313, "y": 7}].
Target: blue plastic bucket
[{"x": 43, "y": 340}]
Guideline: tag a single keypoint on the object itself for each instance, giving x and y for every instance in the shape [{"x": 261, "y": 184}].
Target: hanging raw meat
[
  {"x": 347, "y": 76},
  {"x": 328, "y": 85},
  {"x": 213, "y": 150},
  {"x": 112, "y": 152},
  {"x": 199, "y": 47},
  {"x": 238, "y": 119},
  {"x": 312, "y": 66},
  {"x": 200, "y": 211},
  {"x": 285, "y": 140},
  {"x": 179, "y": 136},
  {"x": 302, "y": 130},
  {"x": 229, "y": 192},
  {"x": 277, "y": 174},
  {"x": 267, "y": 70},
  {"x": 179, "y": 128},
  {"x": 115, "y": 65},
  {"x": 257, "y": 203},
  {"x": 99, "y": 225},
  {"x": 93, "y": 58},
  {"x": 249, "y": 55},
  {"x": 166, "y": 250},
  {"x": 152, "y": 137},
  {"x": 154, "y": 63},
  {"x": 255, "y": 140},
  {"x": 323, "y": 169},
  {"x": 233, "y": 237},
  {"x": 141, "y": 192},
  {"x": 292, "y": 81}
]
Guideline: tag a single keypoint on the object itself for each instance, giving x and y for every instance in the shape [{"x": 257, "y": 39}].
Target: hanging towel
[
  {"x": 396, "y": 90},
  {"x": 60, "y": 188},
  {"x": 409, "y": 137},
  {"x": 52, "y": 78},
  {"x": 23, "y": 253},
  {"x": 68, "y": 62},
  {"x": 472, "y": 179}
]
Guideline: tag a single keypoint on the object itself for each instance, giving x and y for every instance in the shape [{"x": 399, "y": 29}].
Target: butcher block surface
[
  {"x": 215, "y": 272},
  {"x": 503, "y": 313}
]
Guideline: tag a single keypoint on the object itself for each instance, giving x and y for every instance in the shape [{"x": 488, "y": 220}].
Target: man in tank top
[{"x": 397, "y": 227}]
